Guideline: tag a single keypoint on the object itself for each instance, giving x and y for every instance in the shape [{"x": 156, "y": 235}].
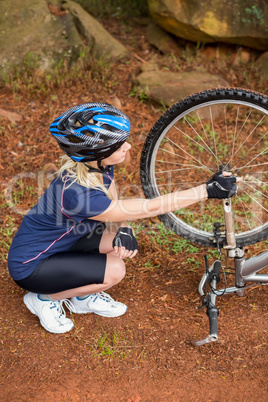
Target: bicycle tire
[{"x": 223, "y": 100}]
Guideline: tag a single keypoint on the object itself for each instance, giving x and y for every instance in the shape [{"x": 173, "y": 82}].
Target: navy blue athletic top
[{"x": 55, "y": 223}]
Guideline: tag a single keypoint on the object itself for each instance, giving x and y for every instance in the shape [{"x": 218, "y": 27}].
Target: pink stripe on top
[{"x": 62, "y": 211}]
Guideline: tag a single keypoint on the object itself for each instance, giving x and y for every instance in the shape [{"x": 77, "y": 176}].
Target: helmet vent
[{"x": 74, "y": 139}]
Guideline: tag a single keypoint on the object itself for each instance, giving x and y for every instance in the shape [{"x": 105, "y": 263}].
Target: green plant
[
  {"x": 141, "y": 94},
  {"x": 6, "y": 235},
  {"x": 193, "y": 263},
  {"x": 168, "y": 239},
  {"x": 114, "y": 344},
  {"x": 185, "y": 246},
  {"x": 254, "y": 16}
]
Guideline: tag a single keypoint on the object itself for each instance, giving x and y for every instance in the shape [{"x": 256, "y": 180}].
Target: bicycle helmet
[{"x": 91, "y": 131}]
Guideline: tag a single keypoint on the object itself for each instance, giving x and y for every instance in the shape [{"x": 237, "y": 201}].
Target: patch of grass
[
  {"x": 141, "y": 94},
  {"x": 168, "y": 239},
  {"x": 184, "y": 245},
  {"x": 112, "y": 344},
  {"x": 26, "y": 79},
  {"x": 6, "y": 235}
]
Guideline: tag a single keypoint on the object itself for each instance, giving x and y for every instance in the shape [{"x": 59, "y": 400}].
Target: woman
[{"x": 64, "y": 248}]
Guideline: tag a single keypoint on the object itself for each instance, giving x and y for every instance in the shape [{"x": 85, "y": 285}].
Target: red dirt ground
[{"x": 145, "y": 355}]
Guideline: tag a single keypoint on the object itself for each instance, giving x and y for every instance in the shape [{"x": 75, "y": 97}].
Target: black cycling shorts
[{"x": 80, "y": 266}]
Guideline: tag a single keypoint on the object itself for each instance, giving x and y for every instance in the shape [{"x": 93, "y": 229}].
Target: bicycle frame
[{"x": 246, "y": 270}]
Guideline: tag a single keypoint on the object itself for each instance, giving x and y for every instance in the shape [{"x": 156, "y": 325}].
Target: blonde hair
[{"x": 79, "y": 173}]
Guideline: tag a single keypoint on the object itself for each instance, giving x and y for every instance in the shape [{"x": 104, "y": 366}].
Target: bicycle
[{"x": 215, "y": 130}]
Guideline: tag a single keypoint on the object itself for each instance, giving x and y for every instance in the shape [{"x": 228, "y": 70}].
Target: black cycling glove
[
  {"x": 220, "y": 186},
  {"x": 125, "y": 238}
]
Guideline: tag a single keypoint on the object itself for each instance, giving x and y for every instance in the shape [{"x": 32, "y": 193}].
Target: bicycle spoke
[
  {"x": 252, "y": 212},
  {"x": 178, "y": 170},
  {"x": 225, "y": 120},
  {"x": 234, "y": 139},
  {"x": 246, "y": 165},
  {"x": 203, "y": 128},
  {"x": 255, "y": 189},
  {"x": 212, "y": 126},
  {"x": 172, "y": 153},
  {"x": 247, "y": 137},
  {"x": 182, "y": 182},
  {"x": 206, "y": 167},
  {"x": 237, "y": 113},
  {"x": 254, "y": 200},
  {"x": 249, "y": 225},
  {"x": 209, "y": 149},
  {"x": 173, "y": 163}
]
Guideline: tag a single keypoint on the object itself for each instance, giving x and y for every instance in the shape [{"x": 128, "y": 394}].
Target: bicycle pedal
[{"x": 208, "y": 339}]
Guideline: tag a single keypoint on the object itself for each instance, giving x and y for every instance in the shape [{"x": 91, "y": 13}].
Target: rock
[
  {"x": 242, "y": 57},
  {"x": 11, "y": 116},
  {"x": 168, "y": 147},
  {"x": 160, "y": 39},
  {"x": 206, "y": 21},
  {"x": 168, "y": 87},
  {"x": 262, "y": 64},
  {"x": 116, "y": 102},
  {"x": 96, "y": 36},
  {"x": 31, "y": 35}
]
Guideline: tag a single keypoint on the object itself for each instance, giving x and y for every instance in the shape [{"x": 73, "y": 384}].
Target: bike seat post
[
  {"x": 238, "y": 263},
  {"x": 229, "y": 224},
  {"x": 233, "y": 250}
]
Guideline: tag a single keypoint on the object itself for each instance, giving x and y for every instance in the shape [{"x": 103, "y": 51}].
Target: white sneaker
[
  {"x": 98, "y": 303},
  {"x": 50, "y": 313}
]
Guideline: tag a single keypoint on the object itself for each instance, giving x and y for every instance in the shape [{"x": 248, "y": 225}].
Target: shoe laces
[
  {"x": 68, "y": 304},
  {"x": 59, "y": 306},
  {"x": 104, "y": 296}
]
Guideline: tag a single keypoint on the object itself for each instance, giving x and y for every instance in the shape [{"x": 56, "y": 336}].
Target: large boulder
[
  {"x": 39, "y": 34},
  {"x": 164, "y": 87},
  {"x": 96, "y": 36},
  {"x": 31, "y": 34},
  {"x": 232, "y": 21}
]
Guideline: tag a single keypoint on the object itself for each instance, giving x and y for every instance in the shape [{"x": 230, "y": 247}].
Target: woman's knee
[
  {"x": 115, "y": 269},
  {"x": 106, "y": 242}
]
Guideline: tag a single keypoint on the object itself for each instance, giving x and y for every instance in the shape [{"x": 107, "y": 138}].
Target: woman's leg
[
  {"x": 106, "y": 268},
  {"x": 114, "y": 273}
]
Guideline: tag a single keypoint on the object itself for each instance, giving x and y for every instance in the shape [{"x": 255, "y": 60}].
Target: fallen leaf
[{"x": 13, "y": 117}]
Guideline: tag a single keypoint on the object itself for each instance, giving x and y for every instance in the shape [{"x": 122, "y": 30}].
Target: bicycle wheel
[{"x": 195, "y": 138}]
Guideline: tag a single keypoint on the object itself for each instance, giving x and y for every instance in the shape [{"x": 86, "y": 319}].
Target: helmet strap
[{"x": 100, "y": 169}]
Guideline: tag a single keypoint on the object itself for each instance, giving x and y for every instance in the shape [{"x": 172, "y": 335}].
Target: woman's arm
[{"x": 139, "y": 208}]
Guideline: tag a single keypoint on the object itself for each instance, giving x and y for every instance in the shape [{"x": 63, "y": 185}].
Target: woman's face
[{"x": 118, "y": 156}]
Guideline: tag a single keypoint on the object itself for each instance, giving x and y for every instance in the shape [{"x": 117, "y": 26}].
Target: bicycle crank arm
[{"x": 208, "y": 339}]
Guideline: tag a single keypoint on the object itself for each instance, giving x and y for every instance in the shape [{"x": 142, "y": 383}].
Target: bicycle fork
[
  {"x": 245, "y": 271},
  {"x": 212, "y": 275}
]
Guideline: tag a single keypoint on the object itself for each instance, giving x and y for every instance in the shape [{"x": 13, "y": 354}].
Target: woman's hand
[
  {"x": 222, "y": 185},
  {"x": 125, "y": 243}
]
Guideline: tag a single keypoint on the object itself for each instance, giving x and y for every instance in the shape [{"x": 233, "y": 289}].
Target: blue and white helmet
[{"x": 91, "y": 132}]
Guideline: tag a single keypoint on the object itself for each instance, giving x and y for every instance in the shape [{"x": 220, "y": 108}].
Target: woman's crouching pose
[{"x": 72, "y": 244}]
